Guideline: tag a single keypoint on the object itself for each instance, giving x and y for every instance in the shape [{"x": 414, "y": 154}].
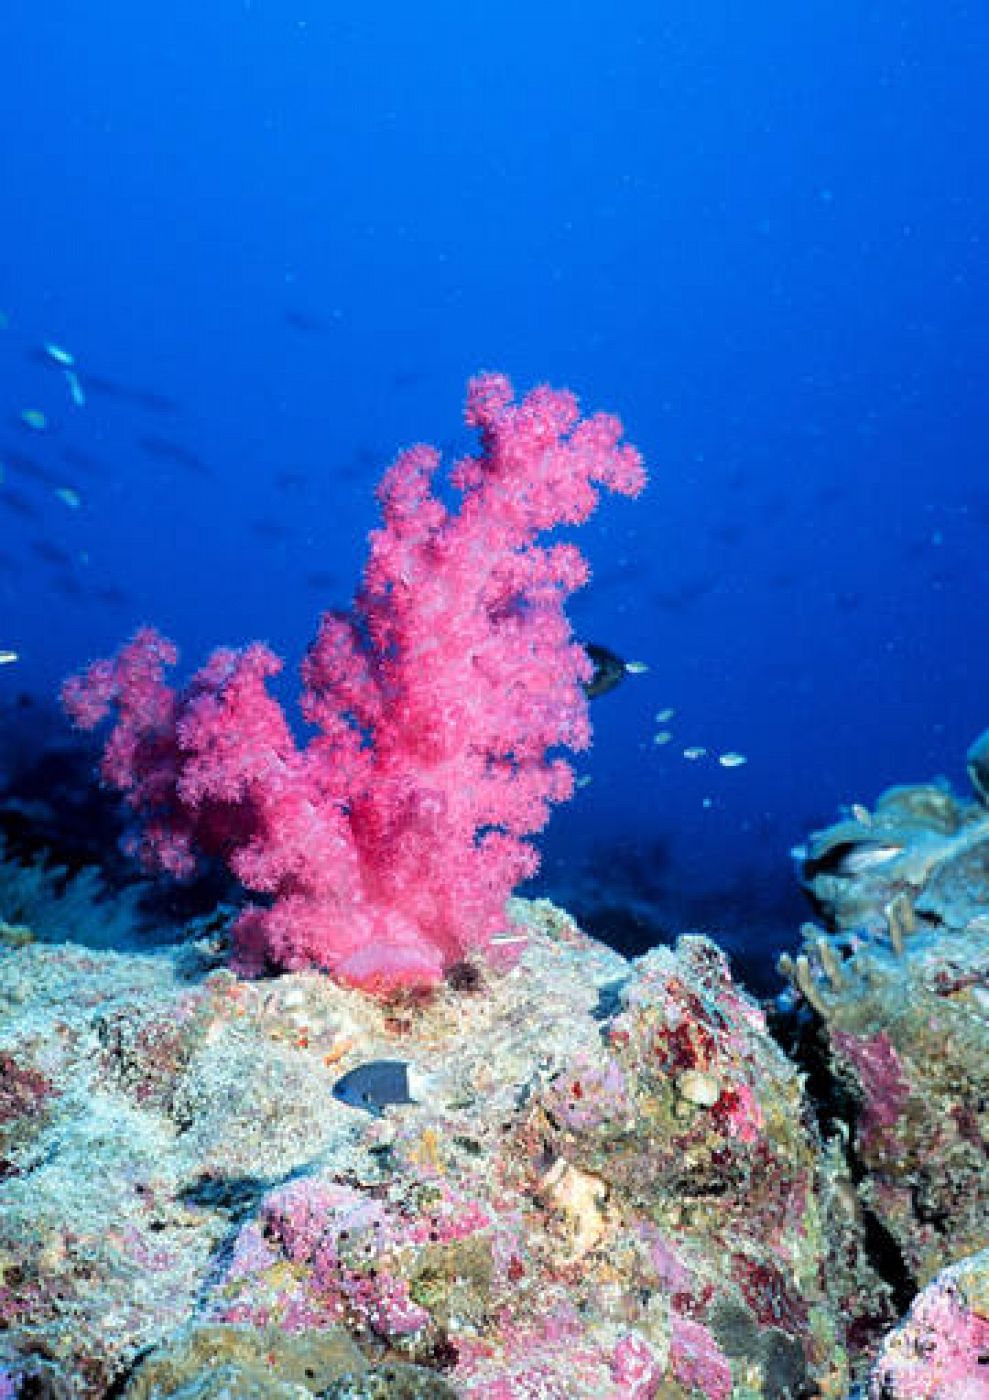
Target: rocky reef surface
[{"x": 625, "y": 1180}]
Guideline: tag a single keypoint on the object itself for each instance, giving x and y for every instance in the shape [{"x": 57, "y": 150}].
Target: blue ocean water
[{"x": 276, "y": 239}]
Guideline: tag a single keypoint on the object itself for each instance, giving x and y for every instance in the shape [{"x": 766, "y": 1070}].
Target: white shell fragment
[{"x": 699, "y": 1087}]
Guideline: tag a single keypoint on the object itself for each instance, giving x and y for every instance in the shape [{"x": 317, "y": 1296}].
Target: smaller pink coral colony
[{"x": 387, "y": 844}]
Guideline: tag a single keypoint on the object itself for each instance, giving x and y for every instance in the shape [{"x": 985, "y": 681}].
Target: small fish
[
  {"x": 20, "y": 505},
  {"x": 291, "y": 481},
  {"x": 303, "y": 321},
  {"x": 664, "y": 716},
  {"x": 662, "y": 737},
  {"x": 129, "y": 393},
  {"x": 65, "y": 358},
  {"x": 6, "y": 657},
  {"x": 374, "y": 1086},
  {"x": 76, "y": 393},
  {"x": 322, "y": 580},
  {"x": 68, "y": 497},
  {"x": 694, "y": 752},
  {"x": 34, "y": 419},
  {"x": 168, "y": 451},
  {"x": 113, "y": 596},
  {"x": 732, "y": 760},
  {"x": 867, "y": 856},
  {"x": 861, "y": 814},
  {"x": 609, "y": 670},
  {"x": 51, "y": 553},
  {"x": 272, "y": 530},
  {"x": 23, "y": 465}
]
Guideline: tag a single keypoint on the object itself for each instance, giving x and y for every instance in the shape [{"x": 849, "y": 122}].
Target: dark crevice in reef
[{"x": 802, "y": 1036}]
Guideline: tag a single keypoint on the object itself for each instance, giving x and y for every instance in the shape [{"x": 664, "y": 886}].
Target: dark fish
[
  {"x": 407, "y": 379},
  {"x": 365, "y": 461},
  {"x": 26, "y": 466},
  {"x": 685, "y": 595},
  {"x": 729, "y": 532},
  {"x": 51, "y": 553},
  {"x": 19, "y": 504},
  {"x": 167, "y": 451},
  {"x": 68, "y": 587},
  {"x": 270, "y": 530},
  {"x": 113, "y": 596},
  {"x": 374, "y": 1086},
  {"x": 323, "y": 581},
  {"x": 131, "y": 393},
  {"x": 609, "y": 670},
  {"x": 304, "y": 322},
  {"x": 291, "y": 481}
]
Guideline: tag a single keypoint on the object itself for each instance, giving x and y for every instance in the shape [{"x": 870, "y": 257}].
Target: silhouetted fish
[
  {"x": 136, "y": 394},
  {"x": 609, "y": 670},
  {"x": 729, "y": 532},
  {"x": 24, "y": 465},
  {"x": 290, "y": 481},
  {"x": 110, "y": 594},
  {"x": 303, "y": 321},
  {"x": 168, "y": 451},
  {"x": 51, "y": 553},
  {"x": 322, "y": 580},
  {"x": 18, "y": 504},
  {"x": 684, "y": 596},
  {"x": 68, "y": 587},
  {"x": 407, "y": 378},
  {"x": 271, "y": 530}
]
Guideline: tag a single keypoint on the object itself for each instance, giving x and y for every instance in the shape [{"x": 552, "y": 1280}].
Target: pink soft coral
[{"x": 388, "y": 844}]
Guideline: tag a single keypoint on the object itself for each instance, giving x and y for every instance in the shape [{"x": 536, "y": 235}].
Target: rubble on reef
[{"x": 615, "y": 1179}]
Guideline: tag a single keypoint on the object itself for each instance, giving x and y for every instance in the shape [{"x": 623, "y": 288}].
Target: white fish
[
  {"x": 865, "y": 857},
  {"x": 695, "y": 751},
  {"x": 76, "y": 393},
  {"x": 60, "y": 356},
  {"x": 732, "y": 760}
]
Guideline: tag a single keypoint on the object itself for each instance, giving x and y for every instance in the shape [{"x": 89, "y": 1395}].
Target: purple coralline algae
[{"x": 941, "y": 1350}]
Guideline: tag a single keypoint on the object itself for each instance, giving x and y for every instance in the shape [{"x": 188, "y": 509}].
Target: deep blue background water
[{"x": 278, "y": 237}]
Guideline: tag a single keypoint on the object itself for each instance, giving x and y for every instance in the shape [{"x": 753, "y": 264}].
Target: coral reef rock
[
  {"x": 899, "y": 976},
  {"x": 608, "y": 1185}
]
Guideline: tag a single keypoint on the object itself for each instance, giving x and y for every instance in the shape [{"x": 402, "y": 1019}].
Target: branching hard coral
[{"x": 386, "y": 846}]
